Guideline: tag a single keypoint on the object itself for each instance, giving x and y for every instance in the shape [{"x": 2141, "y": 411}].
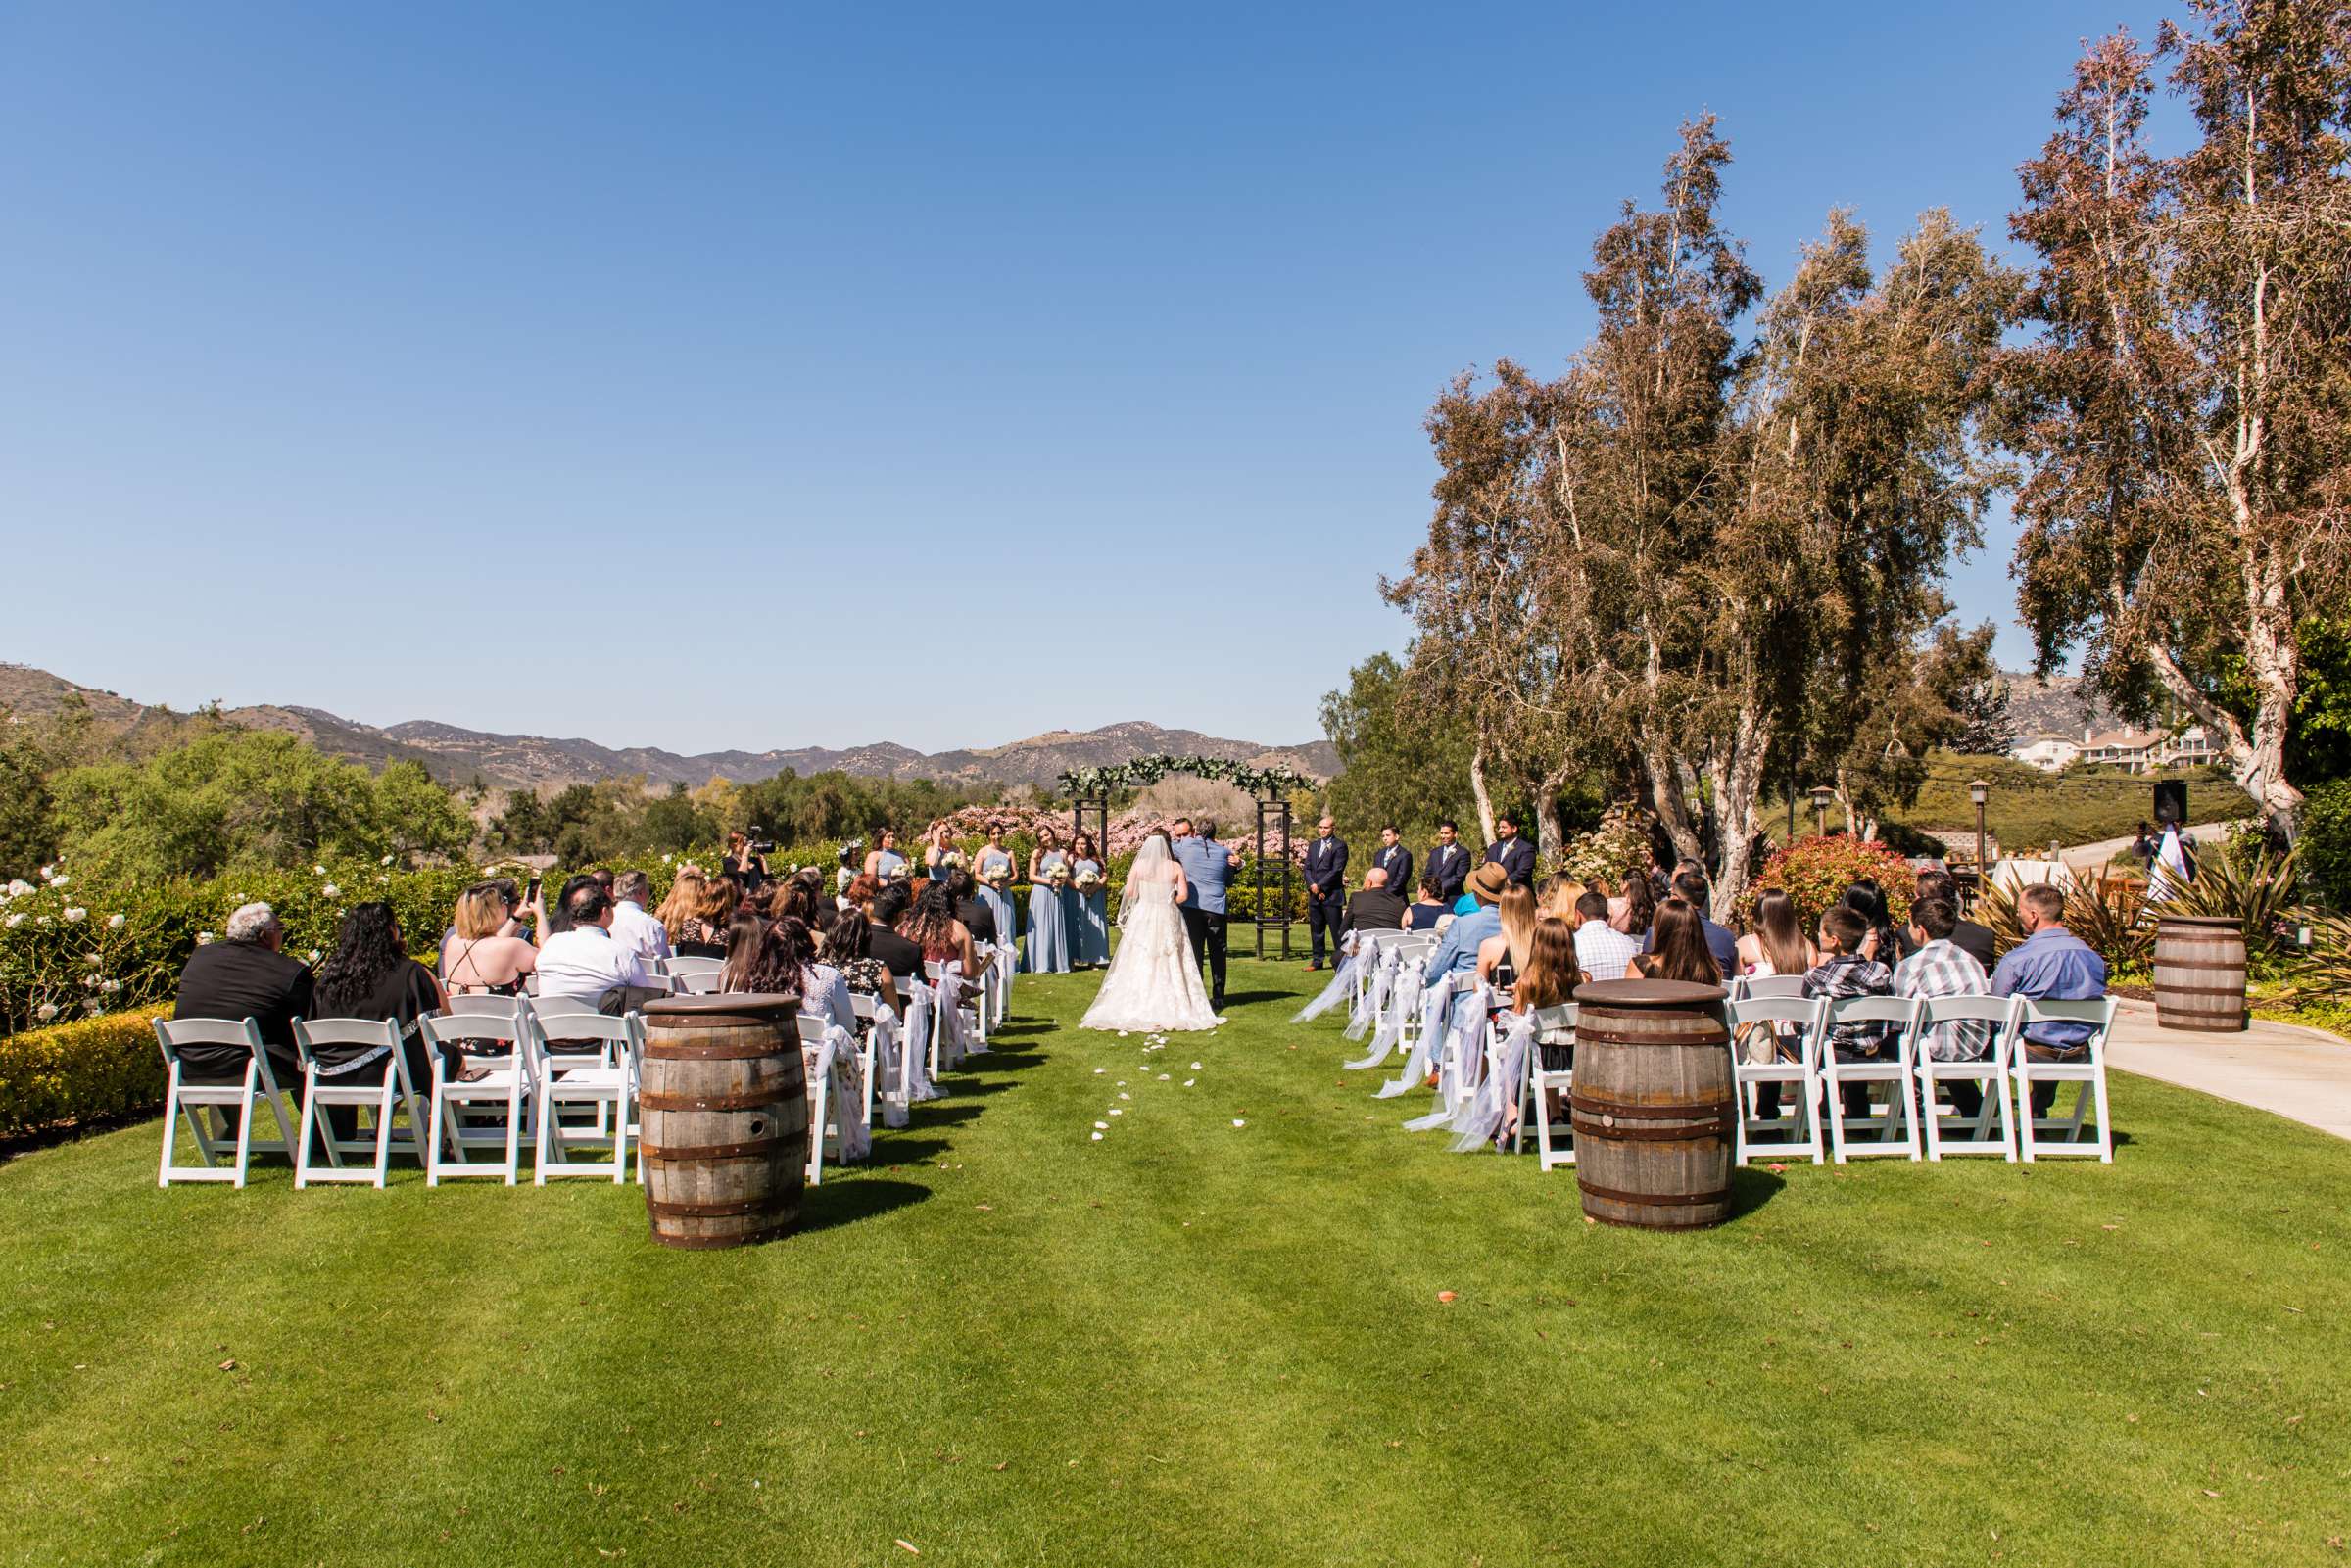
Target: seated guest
[
  {"x": 1843, "y": 972},
  {"x": 796, "y": 898},
  {"x": 1549, "y": 979},
  {"x": 902, "y": 958},
  {"x": 1635, "y": 908},
  {"x": 862, "y": 891},
  {"x": 1778, "y": 944},
  {"x": 370, "y": 975},
  {"x": 1884, "y": 943},
  {"x": 1457, "y": 948},
  {"x": 971, "y": 909},
  {"x": 779, "y": 958},
  {"x": 2051, "y": 965},
  {"x": 1690, "y": 886},
  {"x": 1600, "y": 947},
  {"x": 584, "y": 962},
  {"x": 632, "y": 925},
  {"x": 1556, "y": 896},
  {"x": 1940, "y": 966},
  {"x": 1426, "y": 911},
  {"x": 848, "y": 947},
  {"x": 245, "y": 976},
  {"x": 691, "y": 916},
  {"x": 1503, "y": 955},
  {"x": 1678, "y": 949},
  {"x": 1375, "y": 908},
  {"x": 479, "y": 957},
  {"x": 1969, "y": 937},
  {"x": 932, "y": 925}
]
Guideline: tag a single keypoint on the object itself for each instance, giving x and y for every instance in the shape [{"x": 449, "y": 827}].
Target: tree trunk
[
  {"x": 1738, "y": 790},
  {"x": 1551, "y": 834},
  {"x": 1477, "y": 789}
]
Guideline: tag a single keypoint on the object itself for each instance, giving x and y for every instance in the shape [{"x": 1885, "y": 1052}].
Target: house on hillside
[
  {"x": 2048, "y": 752},
  {"x": 2145, "y": 750}
]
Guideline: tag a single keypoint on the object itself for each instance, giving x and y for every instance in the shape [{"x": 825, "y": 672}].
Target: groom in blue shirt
[{"x": 1208, "y": 869}]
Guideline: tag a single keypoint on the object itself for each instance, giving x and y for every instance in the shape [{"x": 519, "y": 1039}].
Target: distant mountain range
[
  {"x": 2056, "y": 706},
  {"x": 457, "y": 756}
]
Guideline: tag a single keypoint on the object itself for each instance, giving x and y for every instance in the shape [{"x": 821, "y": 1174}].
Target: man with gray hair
[
  {"x": 632, "y": 927},
  {"x": 245, "y": 976}
]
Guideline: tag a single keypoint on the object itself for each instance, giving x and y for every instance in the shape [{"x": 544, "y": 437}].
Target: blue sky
[{"x": 747, "y": 375}]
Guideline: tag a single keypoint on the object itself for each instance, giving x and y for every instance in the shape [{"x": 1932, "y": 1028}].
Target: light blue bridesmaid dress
[
  {"x": 1089, "y": 919},
  {"x": 1048, "y": 922},
  {"x": 989, "y": 863},
  {"x": 887, "y": 866}
]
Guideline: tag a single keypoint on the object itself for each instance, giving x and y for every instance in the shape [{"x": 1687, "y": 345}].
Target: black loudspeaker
[{"x": 2171, "y": 801}]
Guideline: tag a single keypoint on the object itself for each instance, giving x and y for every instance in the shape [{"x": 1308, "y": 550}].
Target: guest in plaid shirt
[
  {"x": 1938, "y": 968},
  {"x": 1842, "y": 972}
]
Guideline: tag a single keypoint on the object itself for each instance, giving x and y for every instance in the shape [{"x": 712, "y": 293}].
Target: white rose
[
  {"x": 91, "y": 959},
  {"x": 58, "y": 881},
  {"x": 112, "y": 986},
  {"x": 16, "y": 920},
  {"x": 318, "y": 869},
  {"x": 202, "y": 938},
  {"x": 92, "y": 982},
  {"x": 330, "y": 890},
  {"x": 386, "y": 861},
  {"x": 664, "y": 860},
  {"x": 113, "y": 923},
  {"x": 45, "y": 1012},
  {"x": 18, "y": 887},
  {"x": 45, "y": 871},
  {"x": 386, "y": 880},
  {"x": 77, "y": 916}
]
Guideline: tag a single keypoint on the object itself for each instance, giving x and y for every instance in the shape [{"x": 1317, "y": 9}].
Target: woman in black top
[{"x": 370, "y": 975}]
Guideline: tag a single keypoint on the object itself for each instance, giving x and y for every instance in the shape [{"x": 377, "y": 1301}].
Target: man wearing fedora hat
[{"x": 1458, "y": 948}]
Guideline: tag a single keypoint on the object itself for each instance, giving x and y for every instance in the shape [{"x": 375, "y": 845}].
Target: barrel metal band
[
  {"x": 740, "y": 1100},
  {"x": 1670, "y": 1200},
  {"x": 712, "y": 1244},
  {"x": 1691, "y": 1112},
  {"x": 2234, "y": 994},
  {"x": 1689, "y": 1133},
  {"x": 1592, "y": 1036},
  {"x": 2162, "y": 963},
  {"x": 677, "y": 1051},
  {"x": 752, "y": 1148},
  {"x": 726, "y": 1211}
]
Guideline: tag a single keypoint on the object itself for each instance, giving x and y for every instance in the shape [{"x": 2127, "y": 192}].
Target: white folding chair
[
  {"x": 697, "y": 982},
  {"x": 819, "y": 1095},
  {"x": 679, "y": 968},
  {"x": 358, "y": 1063},
  {"x": 544, "y": 1008},
  {"x": 2088, "y": 1074},
  {"x": 969, "y": 1013},
  {"x": 603, "y": 1079},
  {"x": 1801, "y": 1075},
  {"x": 1989, "y": 1073},
  {"x": 232, "y": 1101},
  {"x": 1555, "y": 1026},
  {"x": 504, "y": 1091},
  {"x": 489, "y": 1003},
  {"x": 1890, "y": 1068},
  {"x": 1759, "y": 987}
]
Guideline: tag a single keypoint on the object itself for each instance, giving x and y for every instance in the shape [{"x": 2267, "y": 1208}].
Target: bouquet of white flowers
[
  {"x": 1088, "y": 879},
  {"x": 953, "y": 860},
  {"x": 1059, "y": 875}
]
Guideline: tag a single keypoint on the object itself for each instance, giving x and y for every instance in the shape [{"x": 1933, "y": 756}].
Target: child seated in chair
[{"x": 1844, "y": 972}]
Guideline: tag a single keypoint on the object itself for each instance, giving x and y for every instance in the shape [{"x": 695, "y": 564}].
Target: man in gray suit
[{"x": 1208, "y": 869}]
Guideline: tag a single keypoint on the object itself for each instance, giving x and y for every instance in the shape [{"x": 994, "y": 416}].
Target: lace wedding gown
[{"x": 1154, "y": 980}]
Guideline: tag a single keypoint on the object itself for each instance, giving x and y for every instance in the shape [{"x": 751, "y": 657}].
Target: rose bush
[{"x": 1815, "y": 872}]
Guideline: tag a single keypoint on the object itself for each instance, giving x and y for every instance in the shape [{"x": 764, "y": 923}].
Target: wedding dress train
[{"x": 1154, "y": 978}]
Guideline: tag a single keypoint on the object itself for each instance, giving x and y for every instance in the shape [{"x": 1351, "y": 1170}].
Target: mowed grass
[{"x": 1192, "y": 1341}]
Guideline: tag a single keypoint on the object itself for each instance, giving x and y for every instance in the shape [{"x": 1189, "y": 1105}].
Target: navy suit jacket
[
  {"x": 1397, "y": 862},
  {"x": 1449, "y": 864},
  {"x": 1518, "y": 857},
  {"x": 1326, "y": 866}
]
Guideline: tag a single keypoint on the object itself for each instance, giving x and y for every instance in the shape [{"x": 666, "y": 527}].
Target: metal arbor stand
[
  {"x": 1099, "y": 805},
  {"x": 1273, "y": 813}
]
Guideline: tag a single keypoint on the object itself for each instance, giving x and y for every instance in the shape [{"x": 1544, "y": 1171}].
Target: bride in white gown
[{"x": 1154, "y": 981}]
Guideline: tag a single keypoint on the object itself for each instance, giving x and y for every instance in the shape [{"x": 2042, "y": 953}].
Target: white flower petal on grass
[
  {"x": 1122, "y": 1034},
  {"x": 1098, "y": 1071},
  {"x": 1101, "y": 1126},
  {"x": 1122, "y": 1096},
  {"x": 1162, "y": 1077},
  {"x": 1239, "y": 1122},
  {"x": 1188, "y": 1082},
  {"x": 1115, "y": 1112},
  {"x": 1097, "y": 1137},
  {"x": 1195, "y": 1066},
  {"x": 16, "y": 920},
  {"x": 386, "y": 861}
]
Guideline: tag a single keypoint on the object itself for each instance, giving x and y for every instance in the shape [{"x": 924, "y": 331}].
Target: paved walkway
[
  {"x": 2298, "y": 1073},
  {"x": 2091, "y": 857}
]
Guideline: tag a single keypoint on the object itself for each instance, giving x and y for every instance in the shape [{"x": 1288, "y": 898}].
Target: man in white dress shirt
[
  {"x": 584, "y": 962},
  {"x": 632, "y": 927}
]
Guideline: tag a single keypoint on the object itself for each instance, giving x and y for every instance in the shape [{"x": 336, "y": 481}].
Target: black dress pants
[
  {"x": 1206, "y": 929},
  {"x": 1325, "y": 911}
]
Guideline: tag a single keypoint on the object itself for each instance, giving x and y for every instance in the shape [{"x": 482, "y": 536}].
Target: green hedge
[
  {"x": 2325, "y": 843},
  {"x": 80, "y": 1072}
]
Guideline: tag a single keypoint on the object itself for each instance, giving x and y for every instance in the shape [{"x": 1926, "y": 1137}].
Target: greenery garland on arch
[{"x": 1095, "y": 783}]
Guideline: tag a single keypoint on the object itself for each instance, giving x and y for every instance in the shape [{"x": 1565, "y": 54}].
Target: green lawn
[{"x": 1192, "y": 1341}]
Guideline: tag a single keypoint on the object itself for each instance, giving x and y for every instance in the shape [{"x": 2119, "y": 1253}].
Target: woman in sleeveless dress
[
  {"x": 1089, "y": 911},
  {"x": 1049, "y": 919},
  {"x": 993, "y": 868},
  {"x": 1154, "y": 981}
]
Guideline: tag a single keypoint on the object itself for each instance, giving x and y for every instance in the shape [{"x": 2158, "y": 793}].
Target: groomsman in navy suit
[
  {"x": 1397, "y": 861},
  {"x": 1513, "y": 854},
  {"x": 1449, "y": 864},
  {"x": 1326, "y": 890}
]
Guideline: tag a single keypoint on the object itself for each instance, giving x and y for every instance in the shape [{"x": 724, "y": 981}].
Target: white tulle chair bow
[
  {"x": 836, "y": 1062},
  {"x": 950, "y": 1034},
  {"x": 1436, "y": 1007},
  {"x": 1458, "y": 1056},
  {"x": 1480, "y": 1117},
  {"x": 1396, "y": 1014}
]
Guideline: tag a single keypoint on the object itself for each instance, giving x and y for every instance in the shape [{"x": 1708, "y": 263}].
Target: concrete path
[
  {"x": 2298, "y": 1073},
  {"x": 2090, "y": 857}
]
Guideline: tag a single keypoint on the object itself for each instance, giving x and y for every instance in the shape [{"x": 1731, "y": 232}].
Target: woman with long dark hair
[
  {"x": 1088, "y": 907},
  {"x": 370, "y": 975},
  {"x": 849, "y": 945},
  {"x": 933, "y": 925},
  {"x": 1778, "y": 944},
  {"x": 1867, "y": 899},
  {"x": 1680, "y": 951},
  {"x": 1639, "y": 908},
  {"x": 1049, "y": 919}
]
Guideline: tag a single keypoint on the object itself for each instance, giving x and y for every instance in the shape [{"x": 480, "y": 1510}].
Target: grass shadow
[
  {"x": 1752, "y": 1189},
  {"x": 890, "y": 1149},
  {"x": 1238, "y": 998},
  {"x": 846, "y": 1203}
]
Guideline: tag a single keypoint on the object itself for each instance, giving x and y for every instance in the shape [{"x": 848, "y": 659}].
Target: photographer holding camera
[{"x": 746, "y": 857}]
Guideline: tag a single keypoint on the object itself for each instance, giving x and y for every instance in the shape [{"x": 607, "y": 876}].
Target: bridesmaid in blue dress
[
  {"x": 1048, "y": 918},
  {"x": 1089, "y": 912},
  {"x": 883, "y": 860},
  {"x": 935, "y": 850},
  {"x": 993, "y": 868}
]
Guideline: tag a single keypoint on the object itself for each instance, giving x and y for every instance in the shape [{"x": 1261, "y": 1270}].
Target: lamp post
[
  {"x": 1979, "y": 791},
  {"x": 1822, "y": 794}
]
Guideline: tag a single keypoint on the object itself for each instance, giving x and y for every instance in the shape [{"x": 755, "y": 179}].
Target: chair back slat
[{"x": 175, "y": 1032}]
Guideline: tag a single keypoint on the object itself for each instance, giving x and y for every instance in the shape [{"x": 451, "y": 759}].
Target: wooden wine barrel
[
  {"x": 1653, "y": 1100},
  {"x": 725, "y": 1102},
  {"x": 2200, "y": 973}
]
